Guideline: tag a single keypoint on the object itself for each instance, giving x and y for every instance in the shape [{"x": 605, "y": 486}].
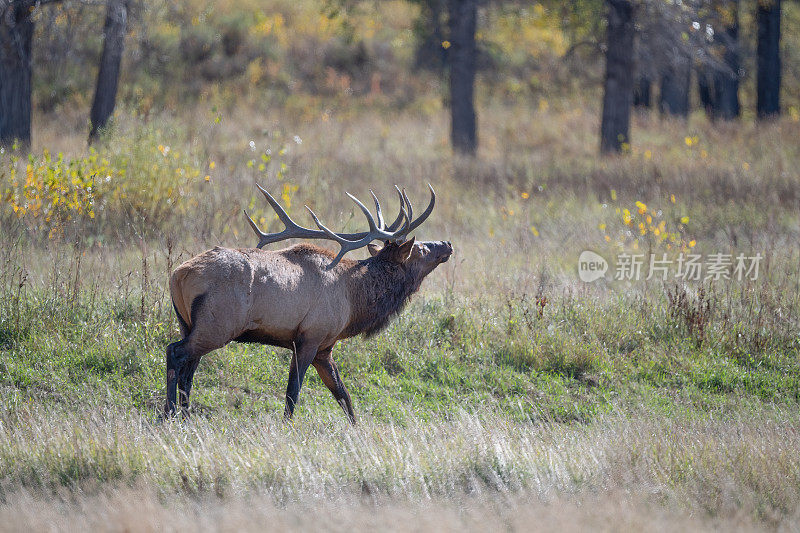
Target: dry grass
[
  {"x": 671, "y": 435},
  {"x": 140, "y": 510},
  {"x": 231, "y": 472}
]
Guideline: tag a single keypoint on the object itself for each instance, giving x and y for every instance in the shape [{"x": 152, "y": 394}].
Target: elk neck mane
[{"x": 379, "y": 290}]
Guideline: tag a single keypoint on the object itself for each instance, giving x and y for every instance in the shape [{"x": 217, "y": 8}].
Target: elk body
[{"x": 304, "y": 298}]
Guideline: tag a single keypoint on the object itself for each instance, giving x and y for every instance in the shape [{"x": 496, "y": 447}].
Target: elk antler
[{"x": 396, "y": 231}]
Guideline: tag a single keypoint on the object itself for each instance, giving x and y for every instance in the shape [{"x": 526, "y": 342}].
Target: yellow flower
[
  {"x": 642, "y": 207},
  {"x": 692, "y": 243},
  {"x": 602, "y": 226},
  {"x": 445, "y": 44},
  {"x": 613, "y": 195},
  {"x": 649, "y": 219},
  {"x": 746, "y": 165},
  {"x": 208, "y": 178},
  {"x": 525, "y": 196},
  {"x": 543, "y": 104},
  {"x": 684, "y": 220},
  {"x": 626, "y": 217},
  {"x": 648, "y": 154},
  {"x": 688, "y": 141},
  {"x": 672, "y": 198},
  {"x": 534, "y": 231},
  {"x": 211, "y": 165},
  {"x": 608, "y": 239}
]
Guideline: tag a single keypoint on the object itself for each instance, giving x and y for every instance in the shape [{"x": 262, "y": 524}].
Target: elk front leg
[
  {"x": 304, "y": 353},
  {"x": 329, "y": 373}
]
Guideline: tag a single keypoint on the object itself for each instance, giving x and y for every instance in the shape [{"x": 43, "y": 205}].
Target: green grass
[
  {"x": 580, "y": 359},
  {"x": 506, "y": 377}
]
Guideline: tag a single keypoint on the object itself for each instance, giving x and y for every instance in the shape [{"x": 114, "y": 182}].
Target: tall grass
[
  {"x": 707, "y": 464},
  {"x": 505, "y": 375}
]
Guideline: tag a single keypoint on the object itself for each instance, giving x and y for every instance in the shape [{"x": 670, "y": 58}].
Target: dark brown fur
[{"x": 379, "y": 290}]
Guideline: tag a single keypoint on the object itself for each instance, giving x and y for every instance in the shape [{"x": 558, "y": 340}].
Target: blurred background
[
  {"x": 70, "y": 63},
  {"x": 132, "y": 135},
  {"x": 154, "y": 119}
]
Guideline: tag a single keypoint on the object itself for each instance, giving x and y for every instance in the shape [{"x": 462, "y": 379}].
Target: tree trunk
[
  {"x": 726, "y": 82},
  {"x": 674, "y": 99},
  {"x": 462, "y": 58},
  {"x": 431, "y": 54},
  {"x": 642, "y": 92},
  {"x": 108, "y": 76},
  {"x": 705, "y": 88},
  {"x": 16, "y": 37},
  {"x": 618, "y": 86},
  {"x": 768, "y": 77}
]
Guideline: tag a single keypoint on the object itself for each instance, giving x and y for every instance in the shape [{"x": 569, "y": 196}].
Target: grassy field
[
  {"x": 508, "y": 393},
  {"x": 507, "y": 384}
]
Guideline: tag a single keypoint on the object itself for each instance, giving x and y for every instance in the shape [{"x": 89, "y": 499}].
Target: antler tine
[
  {"x": 370, "y": 220},
  {"x": 348, "y": 245},
  {"x": 374, "y": 231},
  {"x": 381, "y": 223},
  {"x": 287, "y": 221},
  {"x": 327, "y": 231},
  {"x": 260, "y": 233},
  {"x": 345, "y": 245},
  {"x": 406, "y": 227},
  {"x": 399, "y": 220},
  {"x": 409, "y": 209},
  {"x": 425, "y": 214},
  {"x": 292, "y": 229}
]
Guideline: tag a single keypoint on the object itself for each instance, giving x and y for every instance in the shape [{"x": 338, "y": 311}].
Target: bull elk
[{"x": 304, "y": 298}]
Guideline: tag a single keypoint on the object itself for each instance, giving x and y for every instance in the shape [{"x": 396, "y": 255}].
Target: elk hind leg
[
  {"x": 182, "y": 360},
  {"x": 177, "y": 357},
  {"x": 206, "y": 335},
  {"x": 304, "y": 353},
  {"x": 185, "y": 378},
  {"x": 329, "y": 373}
]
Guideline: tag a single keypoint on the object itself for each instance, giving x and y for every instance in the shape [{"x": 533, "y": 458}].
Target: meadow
[{"x": 509, "y": 391}]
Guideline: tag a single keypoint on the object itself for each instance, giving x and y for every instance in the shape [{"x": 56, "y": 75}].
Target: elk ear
[
  {"x": 403, "y": 251},
  {"x": 373, "y": 249}
]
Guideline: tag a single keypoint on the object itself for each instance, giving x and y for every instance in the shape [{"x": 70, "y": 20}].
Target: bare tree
[
  {"x": 108, "y": 76},
  {"x": 718, "y": 71},
  {"x": 726, "y": 80},
  {"x": 618, "y": 87},
  {"x": 768, "y": 77},
  {"x": 462, "y": 17},
  {"x": 675, "y": 83},
  {"x": 16, "y": 38},
  {"x": 677, "y": 37}
]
